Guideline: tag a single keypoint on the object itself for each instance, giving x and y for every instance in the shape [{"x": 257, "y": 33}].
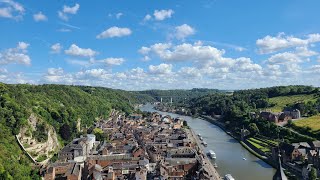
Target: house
[
  {"x": 284, "y": 117},
  {"x": 295, "y": 114},
  {"x": 66, "y": 170},
  {"x": 272, "y": 117},
  {"x": 78, "y": 147},
  {"x": 178, "y": 168}
]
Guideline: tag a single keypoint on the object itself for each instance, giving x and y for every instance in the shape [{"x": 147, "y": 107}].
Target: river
[{"x": 229, "y": 152}]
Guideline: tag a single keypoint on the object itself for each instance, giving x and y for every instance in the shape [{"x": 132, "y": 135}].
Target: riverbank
[
  {"x": 243, "y": 143},
  {"x": 230, "y": 153}
]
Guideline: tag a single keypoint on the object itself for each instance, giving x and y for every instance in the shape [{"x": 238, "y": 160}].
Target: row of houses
[
  {"x": 155, "y": 147},
  {"x": 280, "y": 116},
  {"x": 300, "y": 157}
]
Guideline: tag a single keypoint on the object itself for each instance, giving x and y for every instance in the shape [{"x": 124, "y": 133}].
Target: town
[{"x": 135, "y": 147}]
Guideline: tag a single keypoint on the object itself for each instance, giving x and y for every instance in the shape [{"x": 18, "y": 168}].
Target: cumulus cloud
[
  {"x": 114, "y": 32},
  {"x": 55, "y": 71},
  {"x": 190, "y": 72},
  {"x": 183, "y": 31},
  {"x": 270, "y": 44},
  {"x": 40, "y": 17},
  {"x": 74, "y": 50},
  {"x": 163, "y": 14},
  {"x": 56, "y": 48},
  {"x": 159, "y": 15},
  {"x": 112, "y": 61},
  {"x": 11, "y": 9},
  {"x": 16, "y": 55},
  {"x": 183, "y": 52},
  {"x": 160, "y": 69},
  {"x": 68, "y": 10},
  {"x": 147, "y": 17}
]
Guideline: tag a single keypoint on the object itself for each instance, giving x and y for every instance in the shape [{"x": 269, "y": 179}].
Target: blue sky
[{"x": 134, "y": 45}]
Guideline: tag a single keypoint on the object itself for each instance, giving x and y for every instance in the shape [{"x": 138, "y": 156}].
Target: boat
[
  {"x": 200, "y": 138},
  {"x": 244, "y": 159},
  {"x": 205, "y": 144},
  {"x": 215, "y": 165},
  {"x": 199, "y": 135},
  {"x": 228, "y": 177},
  {"x": 211, "y": 154}
]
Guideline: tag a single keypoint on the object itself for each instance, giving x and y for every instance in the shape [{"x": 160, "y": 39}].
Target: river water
[{"x": 229, "y": 152}]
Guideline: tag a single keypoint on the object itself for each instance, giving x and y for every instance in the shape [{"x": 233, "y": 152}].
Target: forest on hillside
[
  {"x": 236, "y": 108},
  {"x": 57, "y": 105}
]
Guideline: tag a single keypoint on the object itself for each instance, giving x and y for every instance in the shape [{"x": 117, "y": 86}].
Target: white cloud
[
  {"x": 183, "y": 31},
  {"x": 56, "y": 48},
  {"x": 147, "y": 17},
  {"x": 305, "y": 52},
  {"x": 16, "y": 55},
  {"x": 271, "y": 44},
  {"x": 67, "y": 10},
  {"x": 246, "y": 65},
  {"x": 160, "y": 69},
  {"x": 284, "y": 58},
  {"x": 114, "y": 32},
  {"x": 112, "y": 61},
  {"x": 183, "y": 52},
  {"x": 22, "y": 45},
  {"x": 190, "y": 72},
  {"x": 55, "y": 71},
  {"x": 74, "y": 50},
  {"x": 161, "y": 15},
  {"x": 118, "y": 15},
  {"x": 40, "y": 17},
  {"x": 146, "y": 58},
  {"x": 315, "y": 68},
  {"x": 11, "y": 9}
]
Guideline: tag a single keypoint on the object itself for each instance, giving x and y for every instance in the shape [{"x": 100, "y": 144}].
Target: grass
[
  {"x": 312, "y": 122},
  {"x": 42, "y": 158},
  {"x": 251, "y": 150},
  {"x": 259, "y": 144},
  {"x": 282, "y": 101}
]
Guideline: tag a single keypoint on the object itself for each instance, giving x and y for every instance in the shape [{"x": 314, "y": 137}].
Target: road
[{"x": 204, "y": 160}]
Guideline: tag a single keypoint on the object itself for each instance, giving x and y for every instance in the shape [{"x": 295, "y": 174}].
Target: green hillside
[
  {"x": 312, "y": 122},
  {"x": 279, "y": 103},
  {"x": 57, "y": 105}
]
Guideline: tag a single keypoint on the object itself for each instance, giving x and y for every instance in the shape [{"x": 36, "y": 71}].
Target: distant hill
[{"x": 178, "y": 95}]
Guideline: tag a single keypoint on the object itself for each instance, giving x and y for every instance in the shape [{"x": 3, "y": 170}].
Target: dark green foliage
[
  {"x": 253, "y": 128},
  {"x": 41, "y": 133},
  {"x": 65, "y": 132},
  {"x": 313, "y": 174}
]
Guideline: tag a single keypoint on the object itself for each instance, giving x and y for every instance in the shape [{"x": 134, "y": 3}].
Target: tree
[
  {"x": 253, "y": 128},
  {"x": 99, "y": 134},
  {"x": 313, "y": 174},
  {"x": 65, "y": 131},
  {"x": 185, "y": 123}
]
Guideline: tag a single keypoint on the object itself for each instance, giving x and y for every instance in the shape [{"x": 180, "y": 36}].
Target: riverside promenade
[{"x": 210, "y": 171}]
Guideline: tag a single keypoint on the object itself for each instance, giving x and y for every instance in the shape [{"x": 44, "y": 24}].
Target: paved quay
[{"x": 211, "y": 172}]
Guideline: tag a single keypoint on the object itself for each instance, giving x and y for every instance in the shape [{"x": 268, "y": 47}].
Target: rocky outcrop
[{"x": 36, "y": 149}]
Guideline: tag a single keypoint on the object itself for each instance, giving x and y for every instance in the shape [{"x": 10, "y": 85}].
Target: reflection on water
[{"x": 230, "y": 154}]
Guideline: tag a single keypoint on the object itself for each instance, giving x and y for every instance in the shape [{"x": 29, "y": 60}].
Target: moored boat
[
  {"x": 211, "y": 154},
  {"x": 228, "y": 177},
  {"x": 205, "y": 144}
]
